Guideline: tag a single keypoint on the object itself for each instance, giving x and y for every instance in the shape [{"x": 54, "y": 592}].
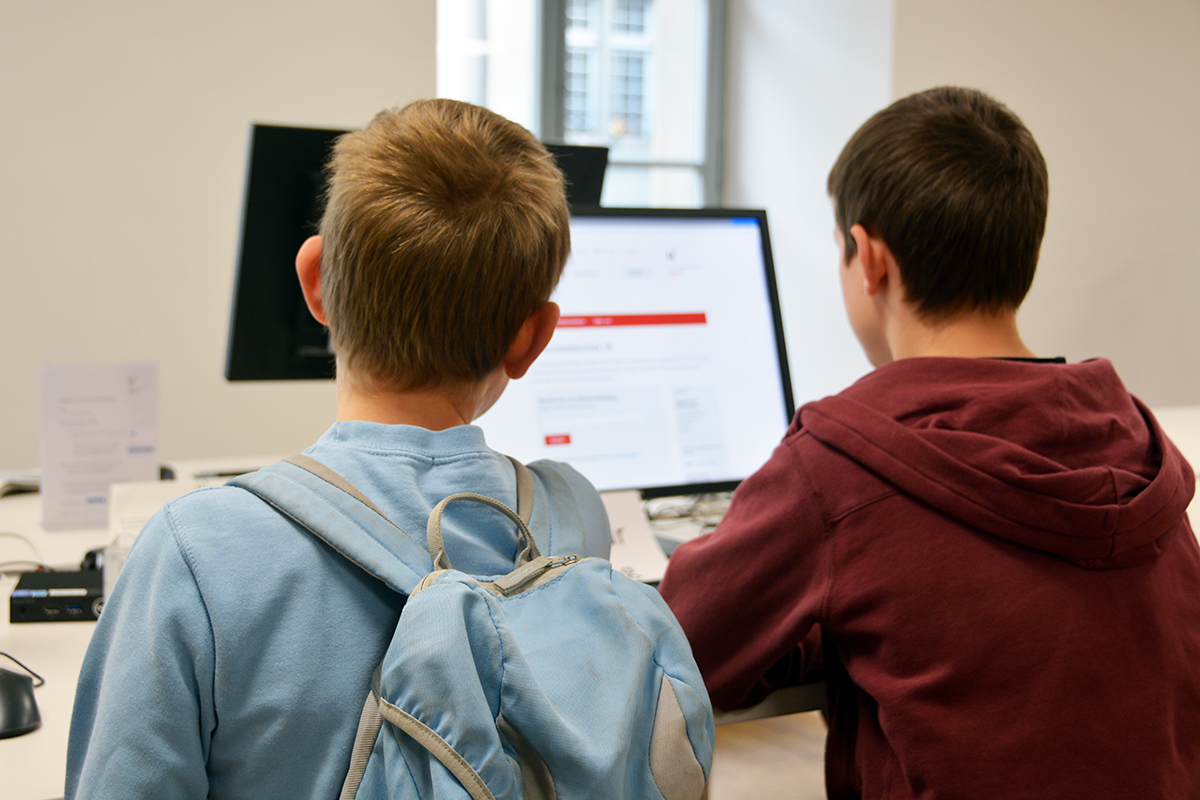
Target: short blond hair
[{"x": 445, "y": 227}]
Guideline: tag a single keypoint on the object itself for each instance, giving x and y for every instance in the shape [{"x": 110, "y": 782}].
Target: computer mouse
[{"x": 18, "y": 708}]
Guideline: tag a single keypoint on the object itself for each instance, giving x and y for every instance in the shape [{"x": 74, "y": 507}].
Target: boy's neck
[
  {"x": 432, "y": 409},
  {"x": 972, "y": 334}
]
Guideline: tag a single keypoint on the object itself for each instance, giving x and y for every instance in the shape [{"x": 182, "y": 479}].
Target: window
[
  {"x": 580, "y": 115},
  {"x": 628, "y": 94},
  {"x": 581, "y": 13},
  {"x": 629, "y": 16},
  {"x": 604, "y": 106},
  {"x": 642, "y": 77}
]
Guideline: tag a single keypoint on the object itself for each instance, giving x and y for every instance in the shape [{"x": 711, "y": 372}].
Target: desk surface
[{"x": 33, "y": 767}]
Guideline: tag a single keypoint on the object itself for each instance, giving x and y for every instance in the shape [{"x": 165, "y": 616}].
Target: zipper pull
[{"x": 521, "y": 577}]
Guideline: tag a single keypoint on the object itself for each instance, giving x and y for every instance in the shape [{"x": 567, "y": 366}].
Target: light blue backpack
[{"x": 562, "y": 679}]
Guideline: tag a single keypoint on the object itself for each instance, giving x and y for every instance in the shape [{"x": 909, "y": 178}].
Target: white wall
[
  {"x": 1111, "y": 91},
  {"x": 124, "y": 144},
  {"x": 801, "y": 78},
  {"x": 125, "y": 136}
]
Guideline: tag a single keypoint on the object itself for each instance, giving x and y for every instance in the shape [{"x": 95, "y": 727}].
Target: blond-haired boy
[{"x": 232, "y": 659}]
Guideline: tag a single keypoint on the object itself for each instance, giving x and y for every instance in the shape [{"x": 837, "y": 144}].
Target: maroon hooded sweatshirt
[{"x": 993, "y": 561}]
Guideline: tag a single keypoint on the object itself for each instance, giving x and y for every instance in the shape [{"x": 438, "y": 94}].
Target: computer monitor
[
  {"x": 583, "y": 167},
  {"x": 272, "y": 336},
  {"x": 668, "y": 372}
]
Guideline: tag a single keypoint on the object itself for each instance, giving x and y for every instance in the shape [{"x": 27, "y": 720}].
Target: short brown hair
[
  {"x": 956, "y": 186},
  {"x": 445, "y": 227}
]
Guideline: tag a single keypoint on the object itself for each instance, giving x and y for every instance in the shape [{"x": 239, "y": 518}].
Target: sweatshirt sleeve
[
  {"x": 143, "y": 707},
  {"x": 750, "y": 593}
]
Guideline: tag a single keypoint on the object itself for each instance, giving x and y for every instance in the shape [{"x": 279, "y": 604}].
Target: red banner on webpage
[{"x": 610, "y": 320}]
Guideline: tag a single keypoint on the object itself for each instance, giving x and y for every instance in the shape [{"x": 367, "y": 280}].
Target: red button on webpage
[{"x": 558, "y": 438}]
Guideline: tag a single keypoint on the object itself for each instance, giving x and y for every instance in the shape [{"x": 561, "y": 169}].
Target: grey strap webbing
[
  {"x": 329, "y": 476},
  {"x": 364, "y": 742},
  {"x": 374, "y": 711},
  {"x": 433, "y": 532}
]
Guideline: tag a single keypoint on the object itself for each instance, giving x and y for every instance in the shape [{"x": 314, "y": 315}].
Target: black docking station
[{"x": 57, "y": 597}]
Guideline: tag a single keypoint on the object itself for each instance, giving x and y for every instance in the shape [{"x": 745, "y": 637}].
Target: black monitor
[
  {"x": 583, "y": 168},
  {"x": 668, "y": 372},
  {"x": 272, "y": 336}
]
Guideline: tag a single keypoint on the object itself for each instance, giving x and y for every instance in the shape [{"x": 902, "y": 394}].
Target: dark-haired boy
[
  {"x": 234, "y": 655},
  {"x": 989, "y": 551}
]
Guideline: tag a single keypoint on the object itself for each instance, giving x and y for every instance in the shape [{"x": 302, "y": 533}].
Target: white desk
[{"x": 33, "y": 766}]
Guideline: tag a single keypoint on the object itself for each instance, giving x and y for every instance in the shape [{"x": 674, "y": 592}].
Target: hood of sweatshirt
[{"x": 1055, "y": 457}]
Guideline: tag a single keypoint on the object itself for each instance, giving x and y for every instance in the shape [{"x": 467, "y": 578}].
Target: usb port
[
  {"x": 51, "y": 611},
  {"x": 74, "y": 611}
]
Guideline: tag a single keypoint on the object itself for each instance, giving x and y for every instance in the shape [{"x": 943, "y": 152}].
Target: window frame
[{"x": 552, "y": 95}]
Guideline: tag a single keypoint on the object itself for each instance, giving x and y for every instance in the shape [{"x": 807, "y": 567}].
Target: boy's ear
[
  {"x": 308, "y": 268},
  {"x": 878, "y": 263},
  {"x": 531, "y": 340}
]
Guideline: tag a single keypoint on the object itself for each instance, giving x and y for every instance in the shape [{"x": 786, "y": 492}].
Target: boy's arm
[
  {"x": 143, "y": 709},
  {"x": 749, "y": 594}
]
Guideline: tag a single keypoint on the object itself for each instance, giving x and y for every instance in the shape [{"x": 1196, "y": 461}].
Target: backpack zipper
[{"x": 520, "y": 578}]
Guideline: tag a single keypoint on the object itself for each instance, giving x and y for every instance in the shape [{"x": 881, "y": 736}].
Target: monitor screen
[
  {"x": 272, "y": 336},
  {"x": 668, "y": 371}
]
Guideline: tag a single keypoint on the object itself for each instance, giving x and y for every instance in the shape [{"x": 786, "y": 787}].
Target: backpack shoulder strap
[
  {"x": 336, "y": 512},
  {"x": 332, "y": 509}
]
